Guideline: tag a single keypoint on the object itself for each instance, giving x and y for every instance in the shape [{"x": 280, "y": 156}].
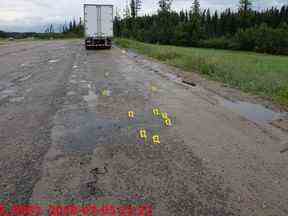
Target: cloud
[{"x": 22, "y": 15}]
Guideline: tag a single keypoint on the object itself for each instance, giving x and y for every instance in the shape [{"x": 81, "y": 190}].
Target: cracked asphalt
[{"x": 66, "y": 137}]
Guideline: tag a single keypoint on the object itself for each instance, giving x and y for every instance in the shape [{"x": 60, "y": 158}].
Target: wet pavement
[
  {"x": 66, "y": 137},
  {"x": 253, "y": 112}
]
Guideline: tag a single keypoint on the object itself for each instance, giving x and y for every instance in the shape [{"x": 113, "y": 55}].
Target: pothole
[
  {"x": 93, "y": 189},
  {"x": 99, "y": 171},
  {"x": 189, "y": 83},
  {"x": 284, "y": 150}
]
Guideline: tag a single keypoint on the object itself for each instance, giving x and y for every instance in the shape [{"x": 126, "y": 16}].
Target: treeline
[
  {"x": 74, "y": 29},
  {"x": 17, "y": 35},
  {"x": 242, "y": 29}
]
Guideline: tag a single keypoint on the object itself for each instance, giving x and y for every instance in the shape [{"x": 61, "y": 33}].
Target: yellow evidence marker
[
  {"x": 104, "y": 93},
  {"x": 156, "y": 112},
  {"x": 156, "y": 139},
  {"x": 153, "y": 88},
  {"x": 143, "y": 134},
  {"x": 164, "y": 115},
  {"x": 131, "y": 114},
  {"x": 167, "y": 122}
]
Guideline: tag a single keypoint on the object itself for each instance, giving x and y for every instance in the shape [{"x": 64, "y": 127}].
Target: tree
[
  {"x": 196, "y": 7},
  {"x": 244, "y": 6},
  {"x": 127, "y": 11},
  {"x": 51, "y": 29},
  {"x": 227, "y": 29},
  {"x": 70, "y": 26},
  {"x": 138, "y": 6},
  {"x": 133, "y": 8},
  {"x": 165, "y": 5}
]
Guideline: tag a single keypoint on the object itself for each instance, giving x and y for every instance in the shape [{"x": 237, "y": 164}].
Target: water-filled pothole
[{"x": 253, "y": 112}]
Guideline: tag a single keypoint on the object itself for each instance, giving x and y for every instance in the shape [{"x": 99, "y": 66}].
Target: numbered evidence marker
[
  {"x": 156, "y": 139},
  {"x": 153, "y": 88},
  {"x": 164, "y": 115},
  {"x": 143, "y": 134},
  {"x": 167, "y": 122},
  {"x": 105, "y": 92},
  {"x": 131, "y": 114},
  {"x": 156, "y": 112}
]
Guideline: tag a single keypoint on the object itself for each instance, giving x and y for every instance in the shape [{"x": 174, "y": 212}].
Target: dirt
[{"x": 66, "y": 137}]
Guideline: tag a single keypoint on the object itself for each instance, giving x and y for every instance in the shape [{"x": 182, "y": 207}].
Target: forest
[
  {"x": 244, "y": 28},
  {"x": 74, "y": 29}
]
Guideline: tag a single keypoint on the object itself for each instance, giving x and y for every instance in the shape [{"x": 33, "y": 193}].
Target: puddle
[
  {"x": 5, "y": 85},
  {"x": 71, "y": 93},
  {"x": 91, "y": 98},
  {"x": 253, "y": 112},
  {"x": 25, "y": 78},
  {"x": 131, "y": 54},
  {"x": 53, "y": 60},
  {"x": 84, "y": 84},
  {"x": 173, "y": 77},
  {"x": 3, "y": 98},
  {"x": 16, "y": 99},
  {"x": 29, "y": 90},
  {"x": 24, "y": 65},
  {"x": 9, "y": 92},
  {"x": 73, "y": 81},
  {"x": 83, "y": 131}
]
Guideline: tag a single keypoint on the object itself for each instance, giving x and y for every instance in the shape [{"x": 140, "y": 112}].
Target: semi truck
[{"x": 98, "y": 20}]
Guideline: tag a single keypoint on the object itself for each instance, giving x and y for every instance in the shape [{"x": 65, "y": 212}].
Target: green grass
[
  {"x": 261, "y": 74},
  {"x": 2, "y": 41}
]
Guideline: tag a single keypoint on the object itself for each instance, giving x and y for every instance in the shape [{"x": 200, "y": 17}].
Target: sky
[{"x": 35, "y": 15}]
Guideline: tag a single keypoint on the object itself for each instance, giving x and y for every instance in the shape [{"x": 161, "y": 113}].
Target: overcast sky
[{"x": 34, "y": 15}]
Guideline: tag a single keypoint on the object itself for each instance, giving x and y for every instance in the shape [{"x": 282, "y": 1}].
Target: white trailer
[{"x": 98, "y": 25}]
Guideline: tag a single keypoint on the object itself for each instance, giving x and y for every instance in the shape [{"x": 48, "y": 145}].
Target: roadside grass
[
  {"x": 261, "y": 74},
  {"x": 2, "y": 41}
]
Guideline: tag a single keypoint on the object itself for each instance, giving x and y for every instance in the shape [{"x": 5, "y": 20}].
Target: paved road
[{"x": 65, "y": 137}]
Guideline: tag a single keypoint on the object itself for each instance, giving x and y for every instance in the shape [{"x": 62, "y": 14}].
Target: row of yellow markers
[{"x": 156, "y": 113}]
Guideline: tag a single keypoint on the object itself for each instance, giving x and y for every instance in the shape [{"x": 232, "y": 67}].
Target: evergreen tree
[
  {"x": 133, "y": 8},
  {"x": 51, "y": 29},
  {"x": 70, "y": 26},
  {"x": 196, "y": 7},
  {"x": 138, "y": 6},
  {"x": 165, "y": 5},
  {"x": 244, "y": 6},
  {"x": 127, "y": 12},
  {"x": 242, "y": 29}
]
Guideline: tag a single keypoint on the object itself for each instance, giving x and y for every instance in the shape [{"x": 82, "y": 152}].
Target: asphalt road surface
[{"x": 66, "y": 137}]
